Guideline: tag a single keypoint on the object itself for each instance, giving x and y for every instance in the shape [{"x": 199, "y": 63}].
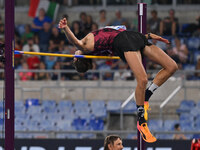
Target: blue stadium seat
[
  {"x": 193, "y": 43},
  {"x": 169, "y": 124},
  {"x": 113, "y": 105},
  {"x": 54, "y": 116},
  {"x": 164, "y": 136},
  {"x": 96, "y": 104},
  {"x": 64, "y": 125},
  {"x": 49, "y": 103},
  {"x": 19, "y": 103},
  {"x": 186, "y": 106},
  {"x": 46, "y": 125},
  {"x": 64, "y": 104},
  {"x": 32, "y": 102},
  {"x": 97, "y": 124},
  {"x": 187, "y": 126},
  {"x": 130, "y": 107},
  {"x": 186, "y": 117},
  {"x": 195, "y": 111},
  {"x": 81, "y": 103},
  {"x": 80, "y": 124},
  {"x": 49, "y": 109},
  {"x": 83, "y": 112},
  {"x": 100, "y": 113},
  {"x": 34, "y": 110},
  {"x": 155, "y": 125}
]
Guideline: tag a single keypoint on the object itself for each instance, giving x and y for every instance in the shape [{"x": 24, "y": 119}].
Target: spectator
[
  {"x": 44, "y": 37},
  {"x": 50, "y": 61},
  {"x": 94, "y": 26},
  {"x": 89, "y": 23},
  {"x": 24, "y": 76},
  {"x": 178, "y": 136},
  {"x": 31, "y": 46},
  {"x": 38, "y": 22},
  {"x": 179, "y": 52},
  {"x": 76, "y": 29},
  {"x": 57, "y": 40},
  {"x": 33, "y": 62},
  {"x": 83, "y": 21},
  {"x": 102, "y": 21},
  {"x": 197, "y": 31},
  {"x": 2, "y": 30},
  {"x": 41, "y": 75},
  {"x": 27, "y": 34},
  {"x": 169, "y": 26},
  {"x": 119, "y": 20},
  {"x": 122, "y": 74},
  {"x": 113, "y": 142},
  {"x": 54, "y": 75},
  {"x": 134, "y": 25},
  {"x": 198, "y": 67},
  {"x": 153, "y": 24}
]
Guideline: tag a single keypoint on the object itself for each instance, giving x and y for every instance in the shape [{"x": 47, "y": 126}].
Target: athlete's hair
[
  {"x": 82, "y": 64},
  {"x": 110, "y": 140}
]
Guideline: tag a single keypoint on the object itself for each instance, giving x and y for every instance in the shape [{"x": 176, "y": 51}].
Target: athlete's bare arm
[
  {"x": 69, "y": 34},
  {"x": 156, "y": 37},
  {"x": 87, "y": 43}
]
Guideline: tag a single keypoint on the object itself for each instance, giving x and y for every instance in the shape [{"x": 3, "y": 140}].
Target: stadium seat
[
  {"x": 187, "y": 126},
  {"x": 45, "y": 125},
  {"x": 186, "y": 106},
  {"x": 193, "y": 43},
  {"x": 155, "y": 125},
  {"x": 113, "y": 105},
  {"x": 19, "y": 103},
  {"x": 97, "y": 104},
  {"x": 32, "y": 102},
  {"x": 81, "y": 103},
  {"x": 99, "y": 113},
  {"x": 34, "y": 110},
  {"x": 64, "y": 104},
  {"x": 130, "y": 107},
  {"x": 195, "y": 111},
  {"x": 186, "y": 117},
  {"x": 169, "y": 124},
  {"x": 64, "y": 125},
  {"x": 49, "y": 103},
  {"x": 97, "y": 124},
  {"x": 80, "y": 124}
]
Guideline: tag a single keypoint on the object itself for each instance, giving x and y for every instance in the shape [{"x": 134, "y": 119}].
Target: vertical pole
[
  {"x": 142, "y": 19},
  {"x": 9, "y": 75}
]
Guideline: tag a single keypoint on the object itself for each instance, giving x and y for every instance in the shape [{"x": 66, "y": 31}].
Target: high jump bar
[{"x": 66, "y": 55}]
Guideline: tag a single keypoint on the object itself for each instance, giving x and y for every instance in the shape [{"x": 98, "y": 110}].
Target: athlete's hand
[
  {"x": 159, "y": 38},
  {"x": 63, "y": 23}
]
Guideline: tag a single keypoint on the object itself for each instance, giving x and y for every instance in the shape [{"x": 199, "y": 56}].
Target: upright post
[
  {"x": 142, "y": 17},
  {"x": 9, "y": 75}
]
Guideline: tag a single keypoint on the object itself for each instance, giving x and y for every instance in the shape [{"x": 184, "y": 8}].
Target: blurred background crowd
[{"x": 43, "y": 35}]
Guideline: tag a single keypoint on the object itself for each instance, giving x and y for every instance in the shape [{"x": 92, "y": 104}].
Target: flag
[{"x": 51, "y": 8}]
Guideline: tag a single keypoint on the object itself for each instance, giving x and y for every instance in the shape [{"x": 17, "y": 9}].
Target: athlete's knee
[
  {"x": 142, "y": 81},
  {"x": 173, "y": 67}
]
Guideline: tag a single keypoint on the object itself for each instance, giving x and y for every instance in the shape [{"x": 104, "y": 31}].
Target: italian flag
[{"x": 51, "y": 8}]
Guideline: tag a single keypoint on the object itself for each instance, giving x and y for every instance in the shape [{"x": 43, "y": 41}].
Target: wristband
[{"x": 149, "y": 36}]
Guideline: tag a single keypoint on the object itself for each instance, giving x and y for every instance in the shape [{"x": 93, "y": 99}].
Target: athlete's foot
[
  {"x": 145, "y": 133},
  {"x": 146, "y": 108}
]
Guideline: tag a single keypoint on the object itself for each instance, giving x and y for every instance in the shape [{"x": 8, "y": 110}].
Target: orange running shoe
[
  {"x": 146, "y": 108},
  {"x": 145, "y": 133}
]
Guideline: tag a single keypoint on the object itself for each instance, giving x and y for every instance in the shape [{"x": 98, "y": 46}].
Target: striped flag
[{"x": 51, "y": 8}]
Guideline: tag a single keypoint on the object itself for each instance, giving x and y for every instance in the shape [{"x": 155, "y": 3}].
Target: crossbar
[{"x": 67, "y": 55}]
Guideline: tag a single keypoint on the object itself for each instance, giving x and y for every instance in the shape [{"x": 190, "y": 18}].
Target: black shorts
[{"x": 129, "y": 41}]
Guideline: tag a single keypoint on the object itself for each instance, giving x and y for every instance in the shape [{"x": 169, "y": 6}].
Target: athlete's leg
[
  {"x": 169, "y": 67},
  {"x": 157, "y": 55},
  {"x": 135, "y": 63}
]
